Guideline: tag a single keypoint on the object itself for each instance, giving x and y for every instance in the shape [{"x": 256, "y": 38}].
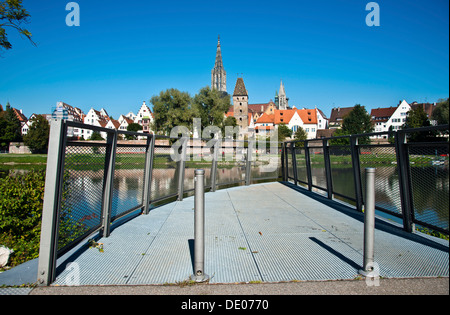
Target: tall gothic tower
[
  {"x": 282, "y": 99},
  {"x": 240, "y": 104},
  {"x": 218, "y": 74}
]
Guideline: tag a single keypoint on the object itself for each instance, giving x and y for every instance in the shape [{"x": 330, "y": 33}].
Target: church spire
[
  {"x": 218, "y": 74},
  {"x": 282, "y": 99},
  {"x": 219, "y": 63}
]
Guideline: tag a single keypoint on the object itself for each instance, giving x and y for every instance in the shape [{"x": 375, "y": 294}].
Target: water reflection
[{"x": 430, "y": 189}]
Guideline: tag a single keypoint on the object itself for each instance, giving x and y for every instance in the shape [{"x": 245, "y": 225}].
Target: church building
[{"x": 218, "y": 74}]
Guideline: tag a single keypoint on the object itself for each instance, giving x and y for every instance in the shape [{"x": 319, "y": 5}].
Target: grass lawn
[{"x": 23, "y": 158}]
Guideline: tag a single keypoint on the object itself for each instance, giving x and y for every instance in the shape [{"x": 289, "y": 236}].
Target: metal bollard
[
  {"x": 199, "y": 227},
  {"x": 369, "y": 224}
]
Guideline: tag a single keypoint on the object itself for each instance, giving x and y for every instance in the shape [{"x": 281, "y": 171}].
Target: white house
[
  {"x": 385, "y": 118},
  {"x": 398, "y": 118},
  {"x": 292, "y": 118},
  {"x": 322, "y": 120},
  {"x": 26, "y": 126},
  {"x": 111, "y": 124},
  {"x": 130, "y": 115},
  {"x": 144, "y": 117},
  {"x": 94, "y": 118},
  {"x": 124, "y": 122}
]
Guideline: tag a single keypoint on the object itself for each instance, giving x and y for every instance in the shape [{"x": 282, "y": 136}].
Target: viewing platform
[
  {"x": 122, "y": 214},
  {"x": 263, "y": 233}
]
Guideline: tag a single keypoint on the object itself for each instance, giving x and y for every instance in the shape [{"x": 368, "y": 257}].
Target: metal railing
[
  {"x": 92, "y": 184},
  {"x": 412, "y": 177}
]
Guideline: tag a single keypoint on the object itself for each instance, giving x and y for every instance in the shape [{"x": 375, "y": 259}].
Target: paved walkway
[
  {"x": 417, "y": 286},
  {"x": 262, "y": 234}
]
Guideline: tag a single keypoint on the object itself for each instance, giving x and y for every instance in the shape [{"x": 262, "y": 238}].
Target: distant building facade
[{"x": 337, "y": 117}]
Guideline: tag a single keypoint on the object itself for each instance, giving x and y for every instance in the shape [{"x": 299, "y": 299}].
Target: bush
[{"x": 21, "y": 202}]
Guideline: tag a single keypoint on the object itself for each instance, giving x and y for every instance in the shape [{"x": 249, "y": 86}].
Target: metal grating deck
[{"x": 267, "y": 232}]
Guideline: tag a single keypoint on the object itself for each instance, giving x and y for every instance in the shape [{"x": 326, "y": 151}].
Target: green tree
[
  {"x": 340, "y": 141},
  {"x": 283, "y": 132},
  {"x": 357, "y": 122},
  {"x": 38, "y": 133},
  {"x": 417, "y": 118},
  {"x": 440, "y": 113},
  {"x": 12, "y": 14},
  {"x": 230, "y": 121},
  {"x": 172, "y": 108},
  {"x": 10, "y": 127},
  {"x": 21, "y": 201},
  {"x": 300, "y": 134},
  {"x": 96, "y": 136},
  {"x": 135, "y": 128},
  {"x": 210, "y": 106}
]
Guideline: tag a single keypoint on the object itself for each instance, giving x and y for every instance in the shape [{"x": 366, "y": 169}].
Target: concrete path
[{"x": 417, "y": 286}]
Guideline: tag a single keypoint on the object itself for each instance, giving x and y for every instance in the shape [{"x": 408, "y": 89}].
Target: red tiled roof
[
  {"x": 383, "y": 112},
  {"x": 20, "y": 116},
  {"x": 339, "y": 113},
  {"x": 308, "y": 116},
  {"x": 266, "y": 119}
]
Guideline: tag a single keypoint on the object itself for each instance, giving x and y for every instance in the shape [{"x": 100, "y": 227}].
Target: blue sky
[{"x": 124, "y": 52}]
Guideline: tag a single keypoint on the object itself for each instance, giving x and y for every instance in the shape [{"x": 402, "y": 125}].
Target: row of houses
[
  {"x": 262, "y": 118},
  {"x": 99, "y": 118},
  {"x": 383, "y": 119}
]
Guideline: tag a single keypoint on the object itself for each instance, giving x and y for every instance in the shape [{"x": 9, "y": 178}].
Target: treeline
[
  {"x": 175, "y": 108},
  {"x": 11, "y": 131}
]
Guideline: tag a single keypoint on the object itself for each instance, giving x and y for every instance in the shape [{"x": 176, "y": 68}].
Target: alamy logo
[
  {"x": 373, "y": 276},
  {"x": 73, "y": 274},
  {"x": 73, "y": 18},
  {"x": 373, "y": 18}
]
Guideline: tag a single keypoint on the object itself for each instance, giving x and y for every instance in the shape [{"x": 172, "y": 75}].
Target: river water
[{"x": 430, "y": 188}]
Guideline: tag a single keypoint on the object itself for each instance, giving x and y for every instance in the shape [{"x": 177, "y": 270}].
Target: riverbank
[{"x": 23, "y": 159}]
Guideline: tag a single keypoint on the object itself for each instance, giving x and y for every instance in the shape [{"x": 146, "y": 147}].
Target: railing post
[
  {"x": 199, "y": 227},
  {"x": 294, "y": 163},
  {"x": 356, "y": 172},
  {"x": 404, "y": 180},
  {"x": 369, "y": 223},
  {"x": 308, "y": 166},
  {"x": 108, "y": 181},
  {"x": 327, "y": 162},
  {"x": 213, "y": 174},
  {"x": 149, "y": 154},
  {"x": 52, "y": 203},
  {"x": 248, "y": 164},
  {"x": 283, "y": 162},
  {"x": 181, "y": 168}
]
